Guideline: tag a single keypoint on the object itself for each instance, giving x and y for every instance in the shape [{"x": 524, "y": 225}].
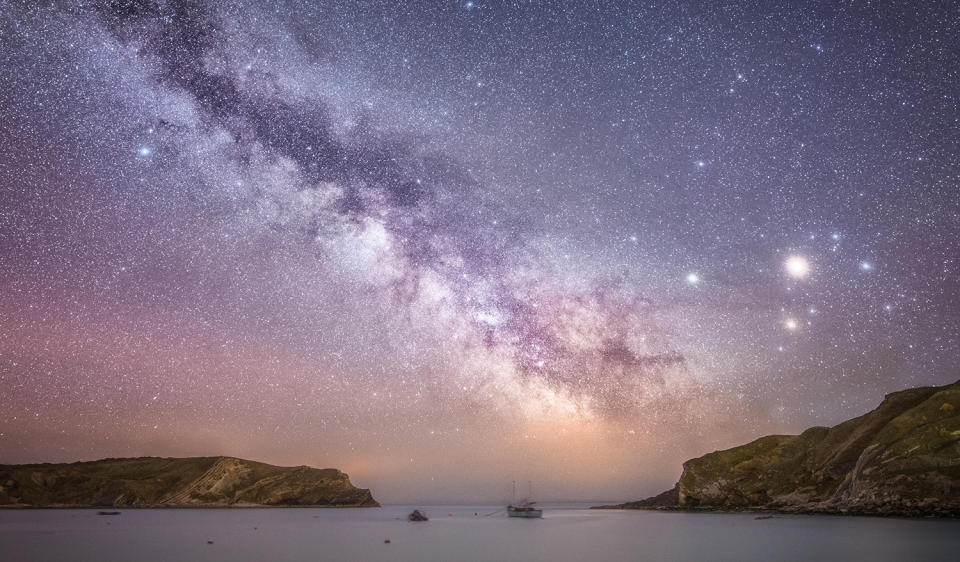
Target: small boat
[
  {"x": 108, "y": 513},
  {"x": 526, "y": 508},
  {"x": 417, "y": 515}
]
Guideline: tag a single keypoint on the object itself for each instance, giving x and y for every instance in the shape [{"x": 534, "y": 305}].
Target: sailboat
[{"x": 526, "y": 508}]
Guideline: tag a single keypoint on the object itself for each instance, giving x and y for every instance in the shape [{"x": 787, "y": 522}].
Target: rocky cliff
[
  {"x": 172, "y": 482},
  {"x": 903, "y": 458}
]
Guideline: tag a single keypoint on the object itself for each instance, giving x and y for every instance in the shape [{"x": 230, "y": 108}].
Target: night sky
[{"x": 447, "y": 245}]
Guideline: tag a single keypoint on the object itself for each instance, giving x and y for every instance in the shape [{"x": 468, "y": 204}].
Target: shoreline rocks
[
  {"x": 153, "y": 482},
  {"x": 901, "y": 460}
]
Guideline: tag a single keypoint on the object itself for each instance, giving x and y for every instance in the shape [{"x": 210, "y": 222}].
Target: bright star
[
  {"x": 797, "y": 266},
  {"x": 866, "y": 266},
  {"x": 144, "y": 151},
  {"x": 693, "y": 278},
  {"x": 790, "y": 324}
]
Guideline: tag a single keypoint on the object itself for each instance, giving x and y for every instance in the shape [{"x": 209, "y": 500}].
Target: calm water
[{"x": 567, "y": 532}]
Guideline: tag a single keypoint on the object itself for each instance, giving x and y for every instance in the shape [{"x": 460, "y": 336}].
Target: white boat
[{"x": 527, "y": 508}]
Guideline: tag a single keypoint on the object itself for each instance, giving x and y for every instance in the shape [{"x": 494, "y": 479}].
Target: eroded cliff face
[
  {"x": 903, "y": 458},
  {"x": 172, "y": 482}
]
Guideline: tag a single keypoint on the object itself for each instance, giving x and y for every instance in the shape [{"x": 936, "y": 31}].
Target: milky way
[{"x": 444, "y": 246}]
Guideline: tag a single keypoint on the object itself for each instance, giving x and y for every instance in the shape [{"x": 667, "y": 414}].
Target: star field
[{"x": 446, "y": 245}]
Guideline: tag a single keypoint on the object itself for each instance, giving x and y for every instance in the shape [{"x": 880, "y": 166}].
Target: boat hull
[{"x": 525, "y": 513}]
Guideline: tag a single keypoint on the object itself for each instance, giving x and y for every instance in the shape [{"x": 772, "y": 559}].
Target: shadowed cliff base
[
  {"x": 901, "y": 459},
  {"x": 177, "y": 482}
]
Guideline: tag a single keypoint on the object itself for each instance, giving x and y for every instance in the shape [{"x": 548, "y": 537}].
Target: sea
[{"x": 463, "y": 532}]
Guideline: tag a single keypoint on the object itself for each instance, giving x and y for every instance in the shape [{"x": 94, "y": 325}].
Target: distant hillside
[
  {"x": 172, "y": 482},
  {"x": 903, "y": 458}
]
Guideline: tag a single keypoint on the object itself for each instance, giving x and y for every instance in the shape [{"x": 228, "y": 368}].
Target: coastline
[
  {"x": 199, "y": 506},
  {"x": 913, "y": 514}
]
